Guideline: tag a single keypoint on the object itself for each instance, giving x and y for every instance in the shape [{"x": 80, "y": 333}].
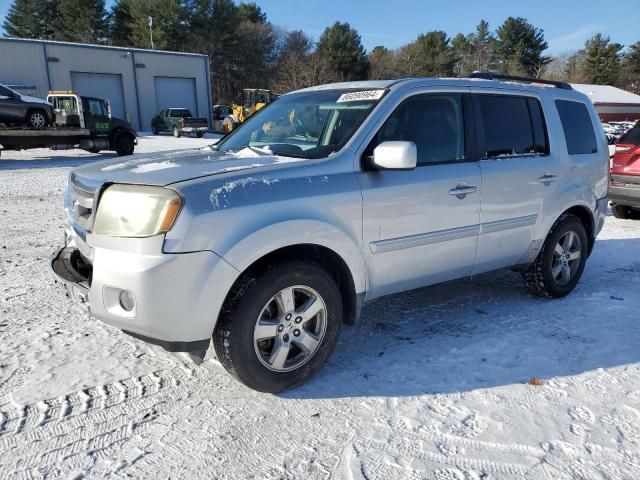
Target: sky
[{"x": 393, "y": 23}]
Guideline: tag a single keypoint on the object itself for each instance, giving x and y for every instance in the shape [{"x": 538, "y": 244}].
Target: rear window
[
  {"x": 577, "y": 126},
  {"x": 632, "y": 137},
  {"x": 512, "y": 126},
  {"x": 180, "y": 113}
]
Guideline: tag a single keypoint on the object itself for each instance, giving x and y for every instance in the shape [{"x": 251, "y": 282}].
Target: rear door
[
  {"x": 421, "y": 226},
  {"x": 520, "y": 178},
  {"x": 12, "y": 108}
]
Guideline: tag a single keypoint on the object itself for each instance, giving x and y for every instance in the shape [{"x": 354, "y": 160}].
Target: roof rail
[{"x": 497, "y": 76}]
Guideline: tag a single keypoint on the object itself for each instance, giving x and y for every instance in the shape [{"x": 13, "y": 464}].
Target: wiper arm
[{"x": 257, "y": 150}]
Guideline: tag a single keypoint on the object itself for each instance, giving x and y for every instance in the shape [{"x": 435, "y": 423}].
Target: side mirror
[{"x": 395, "y": 155}]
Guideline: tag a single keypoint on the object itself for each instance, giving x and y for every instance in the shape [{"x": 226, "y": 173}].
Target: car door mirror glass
[{"x": 395, "y": 155}]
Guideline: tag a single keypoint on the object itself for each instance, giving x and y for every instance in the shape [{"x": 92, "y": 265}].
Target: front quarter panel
[{"x": 243, "y": 218}]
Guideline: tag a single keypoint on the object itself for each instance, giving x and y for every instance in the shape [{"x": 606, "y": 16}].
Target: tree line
[{"x": 246, "y": 50}]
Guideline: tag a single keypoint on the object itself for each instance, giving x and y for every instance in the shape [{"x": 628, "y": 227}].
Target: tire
[
  {"x": 124, "y": 145},
  {"x": 154, "y": 130},
  {"x": 199, "y": 134},
  {"x": 253, "y": 302},
  {"x": 229, "y": 125},
  {"x": 552, "y": 275},
  {"x": 622, "y": 211},
  {"x": 37, "y": 119},
  {"x": 176, "y": 132}
]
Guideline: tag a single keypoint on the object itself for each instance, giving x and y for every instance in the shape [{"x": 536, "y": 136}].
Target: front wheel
[
  {"x": 125, "y": 145},
  {"x": 559, "y": 265},
  {"x": 278, "y": 328},
  {"x": 199, "y": 134},
  {"x": 155, "y": 130}
]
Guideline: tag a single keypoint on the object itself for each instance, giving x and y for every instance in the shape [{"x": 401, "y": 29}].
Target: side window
[
  {"x": 95, "y": 107},
  {"x": 577, "y": 126},
  {"x": 434, "y": 122},
  {"x": 512, "y": 126}
]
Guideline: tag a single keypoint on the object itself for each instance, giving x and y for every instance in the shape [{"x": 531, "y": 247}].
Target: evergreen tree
[
  {"x": 382, "y": 64},
  {"x": 120, "y": 24},
  {"x": 519, "y": 47},
  {"x": 29, "y": 19},
  {"x": 632, "y": 57},
  {"x": 461, "y": 52},
  {"x": 83, "y": 21},
  {"x": 601, "y": 60},
  {"x": 342, "y": 47},
  {"x": 429, "y": 55},
  {"x": 482, "y": 48}
]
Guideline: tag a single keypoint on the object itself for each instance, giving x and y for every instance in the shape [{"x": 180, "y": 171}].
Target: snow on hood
[{"x": 164, "y": 168}]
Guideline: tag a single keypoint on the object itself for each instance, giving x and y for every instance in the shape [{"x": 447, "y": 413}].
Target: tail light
[{"x": 182, "y": 121}]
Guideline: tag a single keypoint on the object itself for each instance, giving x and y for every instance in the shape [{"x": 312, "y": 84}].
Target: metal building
[
  {"x": 138, "y": 83},
  {"x": 612, "y": 104}
]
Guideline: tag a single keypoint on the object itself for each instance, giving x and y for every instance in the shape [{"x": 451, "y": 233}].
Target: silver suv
[{"x": 326, "y": 199}]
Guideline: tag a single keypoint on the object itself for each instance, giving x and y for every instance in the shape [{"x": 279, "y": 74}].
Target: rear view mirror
[{"x": 395, "y": 155}]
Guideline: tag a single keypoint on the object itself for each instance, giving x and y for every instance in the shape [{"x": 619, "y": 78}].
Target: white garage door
[
  {"x": 101, "y": 85},
  {"x": 176, "y": 92}
]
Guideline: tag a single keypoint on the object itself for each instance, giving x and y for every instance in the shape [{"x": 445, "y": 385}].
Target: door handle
[
  {"x": 547, "y": 179},
  {"x": 462, "y": 190}
]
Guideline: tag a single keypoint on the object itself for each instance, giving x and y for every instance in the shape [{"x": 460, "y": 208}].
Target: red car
[{"x": 624, "y": 186}]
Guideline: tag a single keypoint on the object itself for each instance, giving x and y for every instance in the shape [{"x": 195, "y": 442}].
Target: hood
[
  {"x": 27, "y": 98},
  {"x": 164, "y": 168}
]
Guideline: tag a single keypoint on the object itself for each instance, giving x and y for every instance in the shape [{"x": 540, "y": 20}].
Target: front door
[
  {"x": 421, "y": 226},
  {"x": 96, "y": 116},
  {"x": 519, "y": 176}
]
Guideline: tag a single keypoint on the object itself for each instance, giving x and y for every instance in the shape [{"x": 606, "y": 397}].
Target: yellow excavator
[{"x": 253, "y": 99}]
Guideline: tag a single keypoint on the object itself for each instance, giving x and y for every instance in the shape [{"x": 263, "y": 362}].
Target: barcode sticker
[{"x": 360, "y": 96}]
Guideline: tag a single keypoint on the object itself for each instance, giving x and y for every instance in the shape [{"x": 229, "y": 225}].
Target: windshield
[{"x": 304, "y": 125}]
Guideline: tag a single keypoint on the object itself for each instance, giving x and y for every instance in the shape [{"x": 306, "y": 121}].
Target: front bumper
[{"x": 177, "y": 296}]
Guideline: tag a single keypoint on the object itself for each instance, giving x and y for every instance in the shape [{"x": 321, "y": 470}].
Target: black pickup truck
[{"x": 179, "y": 121}]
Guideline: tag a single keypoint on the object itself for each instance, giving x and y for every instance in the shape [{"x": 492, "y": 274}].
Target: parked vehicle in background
[
  {"x": 253, "y": 99},
  {"x": 624, "y": 186},
  {"x": 82, "y": 122},
  {"x": 220, "y": 112},
  {"x": 179, "y": 121},
  {"x": 22, "y": 110},
  {"x": 333, "y": 196}
]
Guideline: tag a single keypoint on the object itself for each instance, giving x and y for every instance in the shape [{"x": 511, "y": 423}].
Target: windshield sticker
[{"x": 360, "y": 96}]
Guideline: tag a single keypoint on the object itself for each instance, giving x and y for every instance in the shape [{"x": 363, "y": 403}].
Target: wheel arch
[
  {"x": 585, "y": 215},
  {"x": 326, "y": 257}
]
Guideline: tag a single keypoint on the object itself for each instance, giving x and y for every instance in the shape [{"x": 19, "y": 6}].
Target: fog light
[{"x": 127, "y": 300}]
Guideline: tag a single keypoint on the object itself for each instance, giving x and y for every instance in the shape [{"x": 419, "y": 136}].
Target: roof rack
[{"x": 497, "y": 76}]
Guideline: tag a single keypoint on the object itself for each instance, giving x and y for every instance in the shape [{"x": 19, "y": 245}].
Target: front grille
[{"x": 82, "y": 198}]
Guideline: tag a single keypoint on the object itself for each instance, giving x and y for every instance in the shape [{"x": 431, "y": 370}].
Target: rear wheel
[
  {"x": 124, "y": 145},
  {"x": 559, "y": 265},
  {"x": 36, "y": 119},
  {"x": 199, "y": 134},
  {"x": 176, "y": 132},
  {"x": 280, "y": 327},
  {"x": 154, "y": 130},
  {"x": 623, "y": 212}
]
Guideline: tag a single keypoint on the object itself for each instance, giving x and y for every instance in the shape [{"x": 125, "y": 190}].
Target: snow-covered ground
[{"x": 431, "y": 384}]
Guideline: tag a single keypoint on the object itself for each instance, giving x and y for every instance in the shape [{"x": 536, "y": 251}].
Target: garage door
[
  {"x": 176, "y": 92},
  {"x": 101, "y": 85}
]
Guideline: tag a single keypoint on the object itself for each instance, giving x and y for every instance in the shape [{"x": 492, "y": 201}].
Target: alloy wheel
[
  {"x": 290, "y": 328},
  {"x": 566, "y": 258}
]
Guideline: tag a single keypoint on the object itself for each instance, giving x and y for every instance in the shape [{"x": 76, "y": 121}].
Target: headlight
[{"x": 136, "y": 211}]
